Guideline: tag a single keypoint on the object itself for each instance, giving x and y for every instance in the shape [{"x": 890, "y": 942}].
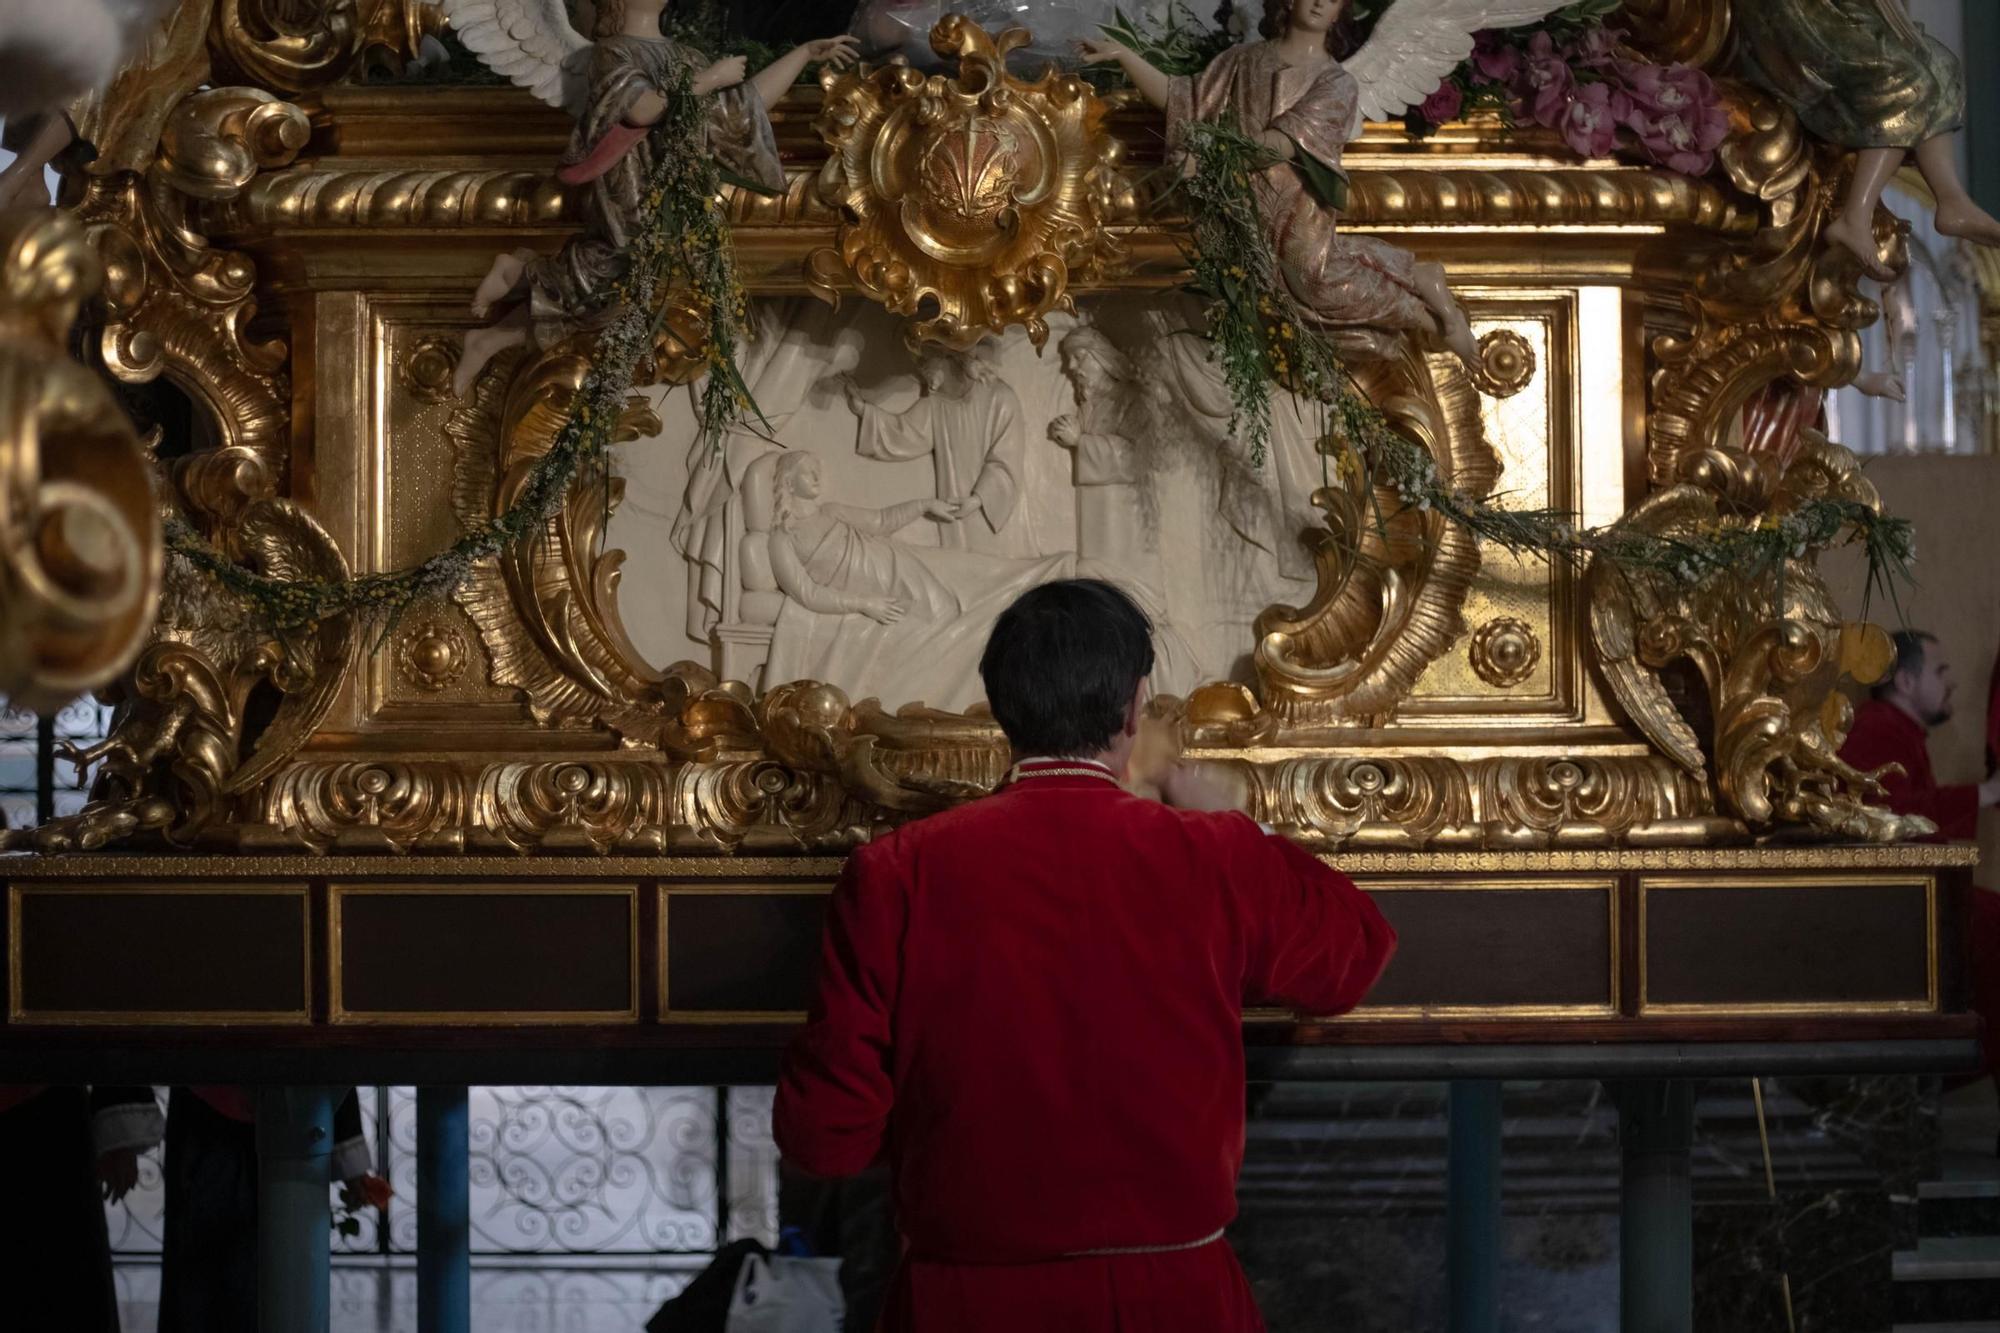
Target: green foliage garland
[
  {"x": 684, "y": 243},
  {"x": 1262, "y": 337}
]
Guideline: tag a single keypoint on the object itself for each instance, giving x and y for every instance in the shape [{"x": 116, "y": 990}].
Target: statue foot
[
  {"x": 1968, "y": 222},
  {"x": 499, "y": 281},
  {"x": 1881, "y": 384},
  {"x": 1860, "y": 242},
  {"x": 481, "y": 346}
]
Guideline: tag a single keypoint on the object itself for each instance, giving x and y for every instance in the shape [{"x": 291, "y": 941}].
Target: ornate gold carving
[
  {"x": 1392, "y": 580},
  {"x": 1783, "y": 306},
  {"x": 1420, "y": 801},
  {"x": 1505, "y": 651},
  {"x": 1693, "y": 31},
  {"x": 1507, "y": 364},
  {"x": 433, "y": 654},
  {"x": 186, "y": 740},
  {"x": 806, "y": 869},
  {"x": 285, "y": 45},
  {"x": 175, "y": 306},
  {"x": 79, "y": 535},
  {"x": 322, "y": 198},
  {"x": 971, "y": 199},
  {"x": 1770, "y": 650},
  {"x": 428, "y": 368}
]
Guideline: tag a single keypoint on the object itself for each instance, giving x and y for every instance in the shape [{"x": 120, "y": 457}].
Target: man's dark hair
[
  {"x": 1910, "y": 648},
  {"x": 1062, "y": 664}
]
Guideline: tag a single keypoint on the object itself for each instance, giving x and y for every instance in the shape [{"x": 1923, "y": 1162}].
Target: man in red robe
[
  {"x": 1032, "y": 1005},
  {"x": 1893, "y": 727}
]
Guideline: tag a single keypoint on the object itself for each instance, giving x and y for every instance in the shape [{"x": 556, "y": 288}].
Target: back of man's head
[{"x": 1063, "y": 664}]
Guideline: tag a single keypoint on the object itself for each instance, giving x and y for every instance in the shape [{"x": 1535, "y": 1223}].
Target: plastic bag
[{"x": 784, "y": 1294}]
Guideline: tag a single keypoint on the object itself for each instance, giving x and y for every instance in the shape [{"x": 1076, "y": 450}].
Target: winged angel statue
[
  {"x": 1290, "y": 94},
  {"x": 616, "y": 83}
]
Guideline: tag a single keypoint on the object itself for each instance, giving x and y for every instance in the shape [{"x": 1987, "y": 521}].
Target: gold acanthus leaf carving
[
  {"x": 1392, "y": 581},
  {"x": 176, "y": 306},
  {"x": 186, "y": 748},
  {"x": 1769, "y": 650},
  {"x": 970, "y": 202},
  {"x": 1782, "y": 307},
  {"x": 80, "y": 554}
]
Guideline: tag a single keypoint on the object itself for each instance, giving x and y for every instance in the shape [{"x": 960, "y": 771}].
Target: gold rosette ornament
[{"x": 970, "y": 201}]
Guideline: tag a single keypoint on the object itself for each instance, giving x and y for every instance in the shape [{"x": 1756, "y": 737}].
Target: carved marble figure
[
  {"x": 969, "y": 424},
  {"x": 875, "y": 615},
  {"x": 1297, "y": 100},
  {"x": 616, "y": 86},
  {"x": 1864, "y": 75},
  {"x": 1117, "y": 509}
]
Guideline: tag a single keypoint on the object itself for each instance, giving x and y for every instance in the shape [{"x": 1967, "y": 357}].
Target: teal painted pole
[
  {"x": 1472, "y": 1207},
  {"x": 294, "y": 1209},
  {"x": 1656, "y": 1211},
  {"x": 444, "y": 1212}
]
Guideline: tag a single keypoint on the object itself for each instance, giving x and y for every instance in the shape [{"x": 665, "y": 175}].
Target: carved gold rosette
[{"x": 281, "y": 250}]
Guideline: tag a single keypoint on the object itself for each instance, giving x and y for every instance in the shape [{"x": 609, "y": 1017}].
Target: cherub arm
[
  {"x": 1153, "y": 84},
  {"x": 772, "y": 81}
]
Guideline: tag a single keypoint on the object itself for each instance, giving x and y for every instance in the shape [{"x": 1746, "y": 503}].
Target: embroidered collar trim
[{"x": 1042, "y": 766}]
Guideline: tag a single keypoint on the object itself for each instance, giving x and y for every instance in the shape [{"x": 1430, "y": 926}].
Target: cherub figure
[
  {"x": 1864, "y": 75},
  {"x": 617, "y": 87},
  {"x": 1293, "y": 97}
]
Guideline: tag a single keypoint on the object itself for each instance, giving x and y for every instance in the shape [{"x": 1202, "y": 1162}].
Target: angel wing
[
  {"x": 530, "y": 42},
  {"x": 1418, "y": 42}
]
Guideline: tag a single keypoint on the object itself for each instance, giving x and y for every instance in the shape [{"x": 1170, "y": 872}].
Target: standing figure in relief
[
  {"x": 1117, "y": 514},
  {"x": 617, "y": 88},
  {"x": 1295, "y": 99},
  {"x": 1864, "y": 75},
  {"x": 972, "y": 428}
]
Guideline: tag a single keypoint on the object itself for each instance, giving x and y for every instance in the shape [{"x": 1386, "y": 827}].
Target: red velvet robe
[
  {"x": 1885, "y": 734},
  {"x": 1033, "y": 1005}
]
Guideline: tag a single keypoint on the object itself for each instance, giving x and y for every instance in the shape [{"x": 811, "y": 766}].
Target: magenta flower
[
  {"x": 1494, "y": 57},
  {"x": 1443, "y": 105},
  {"x": 1677, "y": 115},
  {"x": 1590, "y": 122},
  {"x": 1545, "y": 83},
  {"x": 1599, "y": 47}
]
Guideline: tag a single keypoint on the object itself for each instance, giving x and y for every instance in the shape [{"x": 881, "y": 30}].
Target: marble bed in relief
[{"x": 894, "y": 503}]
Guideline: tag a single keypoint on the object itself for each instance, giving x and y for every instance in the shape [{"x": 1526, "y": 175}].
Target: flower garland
[
  {"x": 684, "y": 242},
  {"x": 1262, "y": 337},
  {"x": 1569, "y": 73}
]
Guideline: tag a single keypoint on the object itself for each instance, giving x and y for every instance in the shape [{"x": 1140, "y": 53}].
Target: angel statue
[
  {"x": 1864, "y": 75},
  {"x": 1293, "y": 97},
  {"x": 617, "y": 87}
]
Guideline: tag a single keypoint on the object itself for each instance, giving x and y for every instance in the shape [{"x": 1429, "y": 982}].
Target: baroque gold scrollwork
[
  {"x": 971, "y": 201},
  {"x": 79, "y": 530},
  {"x": 1769, "y": 649},
  {"x": 1392, "y": 580}
]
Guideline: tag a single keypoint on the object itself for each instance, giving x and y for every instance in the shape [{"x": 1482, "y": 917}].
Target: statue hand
[
  {"x": 839, "y": 52},
  {"x": 1099, "y": 50},
  {"x": 1065, "y": 431},
  {"x": 944, "y": 511},
  {"x": 724, "y": 73},
  {"x": 883, "y": 610}
]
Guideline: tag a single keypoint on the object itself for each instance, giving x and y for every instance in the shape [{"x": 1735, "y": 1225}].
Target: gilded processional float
[{"x": 535, "y": 530}]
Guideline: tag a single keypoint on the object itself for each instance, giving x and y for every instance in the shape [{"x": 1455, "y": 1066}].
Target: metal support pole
[
  {"x": 444, "y": 1212},
  {"x": 294, "y": 1213},
  {"x": 1472, "y": 1207},
  {"x": 1656, "y": 1213}
]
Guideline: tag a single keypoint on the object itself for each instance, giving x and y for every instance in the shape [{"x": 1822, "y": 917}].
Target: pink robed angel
[{"x": 1294, "y": 98}]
